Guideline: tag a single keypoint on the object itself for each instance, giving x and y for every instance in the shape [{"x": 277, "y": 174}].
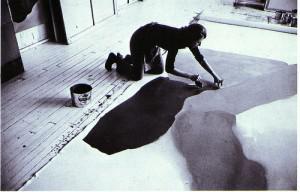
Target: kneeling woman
[{"x": 145, "y": 45}]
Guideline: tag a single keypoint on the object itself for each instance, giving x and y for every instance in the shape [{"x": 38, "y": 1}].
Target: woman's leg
[
  {"x": 137, "y": 58},
  {"x": 111, "y": 59},
  {"x": 137, "y": 55},
  {"x": 137, "y": 68},
  {"x": 130, "y": 66},
  {"x": 154, "y": 59},
  {"x": 123, "y": 64}
]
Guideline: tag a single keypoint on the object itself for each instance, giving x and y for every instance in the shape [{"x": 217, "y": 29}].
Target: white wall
[
  {"x": 77, "y": 16},
  {"x": 102, "y": 9},
  {"x": 287, "y": 5}
]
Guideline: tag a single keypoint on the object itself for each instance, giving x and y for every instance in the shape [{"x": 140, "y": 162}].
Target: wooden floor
[{"x": 37, "y": 116}]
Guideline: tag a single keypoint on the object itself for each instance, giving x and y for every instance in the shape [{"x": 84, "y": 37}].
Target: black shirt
[{"x": 170, "y": 39}]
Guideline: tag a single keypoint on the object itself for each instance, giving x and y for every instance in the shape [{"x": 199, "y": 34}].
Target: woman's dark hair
[
  {"x": 197, "y": 30},
  {"x": 194, "y": 32}
]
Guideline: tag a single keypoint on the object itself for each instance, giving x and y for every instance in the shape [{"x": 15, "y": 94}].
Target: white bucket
[{"x": 81, "y": 94}]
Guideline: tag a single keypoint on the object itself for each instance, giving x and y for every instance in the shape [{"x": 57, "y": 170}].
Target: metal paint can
[
  {"x": 286, "y": 18},
  {"x": 278, "y": 15},
  {"x": 294, "y": 22},
  {"x": 81, "y": 94}
]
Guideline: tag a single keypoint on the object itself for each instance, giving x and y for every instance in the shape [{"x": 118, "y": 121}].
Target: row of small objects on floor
[{"x": 288, "y": 18}]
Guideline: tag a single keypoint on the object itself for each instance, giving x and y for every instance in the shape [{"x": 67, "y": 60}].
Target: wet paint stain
[
  {"x": 32, "y": 132},
  {"x": 213, "y": 153},
  {"x": 141, "y": 119}
]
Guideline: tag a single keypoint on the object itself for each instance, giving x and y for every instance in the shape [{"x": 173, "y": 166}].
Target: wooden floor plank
[
  {"x": 29, "y": 154},
  {"x": 40, "y": 149},
  {"x": 42, "y": 77},
  {"x": 32, "y": 64},
  {"x": 85, "y": 45},
  {"x": 42, "y": 115},
  {"x": 61, "y": 77},
  {"x": 97, "y": 74},
  {"x": 36, "y": 131},
  {"x": 47, "y": 89},
  {"x": 24, "y": 140},
  {"x": 27, "y": 173}
]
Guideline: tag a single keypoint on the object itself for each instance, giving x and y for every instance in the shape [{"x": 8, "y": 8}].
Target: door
[
  {"x": 31, "y": 21},
  {"x": 102, "y": 9},
  {"x": 77, "y": 16},
  {"x": 121, "y": 3}
]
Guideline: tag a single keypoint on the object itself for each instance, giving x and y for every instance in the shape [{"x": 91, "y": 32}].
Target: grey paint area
[
  {"x": 253, "y": 92},
  {"x": 203, "y": 129},
  {"x": 213, "y": 153},
  {"x": 234, "y": 68}
]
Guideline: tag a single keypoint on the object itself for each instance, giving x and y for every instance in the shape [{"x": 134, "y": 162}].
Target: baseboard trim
[{"x": 11, "y": 69}]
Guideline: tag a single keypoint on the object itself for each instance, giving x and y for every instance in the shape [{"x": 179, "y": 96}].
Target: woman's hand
[
  {"x": 218, "y": 81},
  {"x": 194, "y": 77}
]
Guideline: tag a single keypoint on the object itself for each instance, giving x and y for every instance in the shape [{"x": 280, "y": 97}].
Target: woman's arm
[
  {"x": 170, "y": 68},
  {"x": 202, "y": 61}
]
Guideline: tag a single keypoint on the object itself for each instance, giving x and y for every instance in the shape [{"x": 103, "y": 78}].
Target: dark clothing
[
  {"x": 145, "y": 43},
  {"x": 20, "y": 9}
]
